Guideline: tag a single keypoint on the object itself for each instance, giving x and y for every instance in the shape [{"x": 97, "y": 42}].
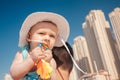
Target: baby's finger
[
  {"x": 41, "y": 57},
  {"x": 48, "y": 55}
]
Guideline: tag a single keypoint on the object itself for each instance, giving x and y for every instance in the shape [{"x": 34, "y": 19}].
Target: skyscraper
[
  {"x": 115, "y": 21},
  {"x": 99, "y": 44},
  {"x": 82, "y": 55}
]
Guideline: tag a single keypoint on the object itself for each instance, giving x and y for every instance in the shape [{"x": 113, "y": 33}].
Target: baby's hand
[
  {"x": 41, "y": 52},
  {"x": 36, "y": 54},
  {"x": 48, "y": 55},
  {"x": 46, "y": 51}
]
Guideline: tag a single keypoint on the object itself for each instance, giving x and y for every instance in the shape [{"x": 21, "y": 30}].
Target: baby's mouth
[
  {"x": 44, "y": 46},
  {"x": 41, "y": 44}
]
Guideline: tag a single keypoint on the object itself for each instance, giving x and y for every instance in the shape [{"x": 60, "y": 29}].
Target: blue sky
[{"x": 13, "y": 13}]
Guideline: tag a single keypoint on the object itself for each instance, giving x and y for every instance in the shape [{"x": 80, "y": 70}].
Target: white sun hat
[{"x": 32, "y": 19}]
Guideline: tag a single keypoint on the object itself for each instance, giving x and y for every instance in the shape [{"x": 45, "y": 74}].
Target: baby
[{"x": 40, "y": 32}]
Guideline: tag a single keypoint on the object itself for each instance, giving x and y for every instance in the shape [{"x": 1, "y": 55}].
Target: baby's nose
[{"x": 47, "y": 38}]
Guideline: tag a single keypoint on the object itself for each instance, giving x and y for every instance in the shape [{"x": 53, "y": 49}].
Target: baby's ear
[{"x": 28, "y": 37}]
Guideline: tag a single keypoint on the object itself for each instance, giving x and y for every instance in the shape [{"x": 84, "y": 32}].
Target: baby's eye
[
  {"x": 52, "y": 36},
  {"x": 41, "y": 33}
]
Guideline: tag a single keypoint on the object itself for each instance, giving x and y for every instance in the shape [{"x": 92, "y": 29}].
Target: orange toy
[{"x": 44, "y": 69}]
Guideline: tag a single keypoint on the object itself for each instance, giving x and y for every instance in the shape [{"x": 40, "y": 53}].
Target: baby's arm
[{"x": 20, "y": 67}]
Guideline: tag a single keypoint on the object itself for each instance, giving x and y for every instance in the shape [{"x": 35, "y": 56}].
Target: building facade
[
  {"x": 98, "y": 52},
  {"x": 96, "y": 30},
  {"x": 82, "y": 55},
  {"x": 115, "y": 21}
]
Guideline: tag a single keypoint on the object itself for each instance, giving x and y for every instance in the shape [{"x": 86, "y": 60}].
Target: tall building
[
  {"x": 115, "y": 21},
  {"x": 82, "y": 56},
  {"x": 99, "y": 43}
]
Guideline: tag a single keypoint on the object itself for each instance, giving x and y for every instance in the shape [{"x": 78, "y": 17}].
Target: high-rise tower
[
  {"x": 99, "y": 44},
  {"x": 115, "y": 21},
  {"x": 82, "y": 55}
]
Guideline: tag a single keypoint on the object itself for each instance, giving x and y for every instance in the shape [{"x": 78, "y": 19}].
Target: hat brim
[{"x": 32, "y": 19}]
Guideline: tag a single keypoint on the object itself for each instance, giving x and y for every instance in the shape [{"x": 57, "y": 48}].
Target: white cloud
[{"x": 7, "y": 77}]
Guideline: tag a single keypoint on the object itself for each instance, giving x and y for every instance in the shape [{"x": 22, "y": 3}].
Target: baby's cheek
[{"x": 51, "y": 45}]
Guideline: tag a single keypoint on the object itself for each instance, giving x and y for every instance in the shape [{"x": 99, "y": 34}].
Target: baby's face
[{"x": 45, "y": 32}]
